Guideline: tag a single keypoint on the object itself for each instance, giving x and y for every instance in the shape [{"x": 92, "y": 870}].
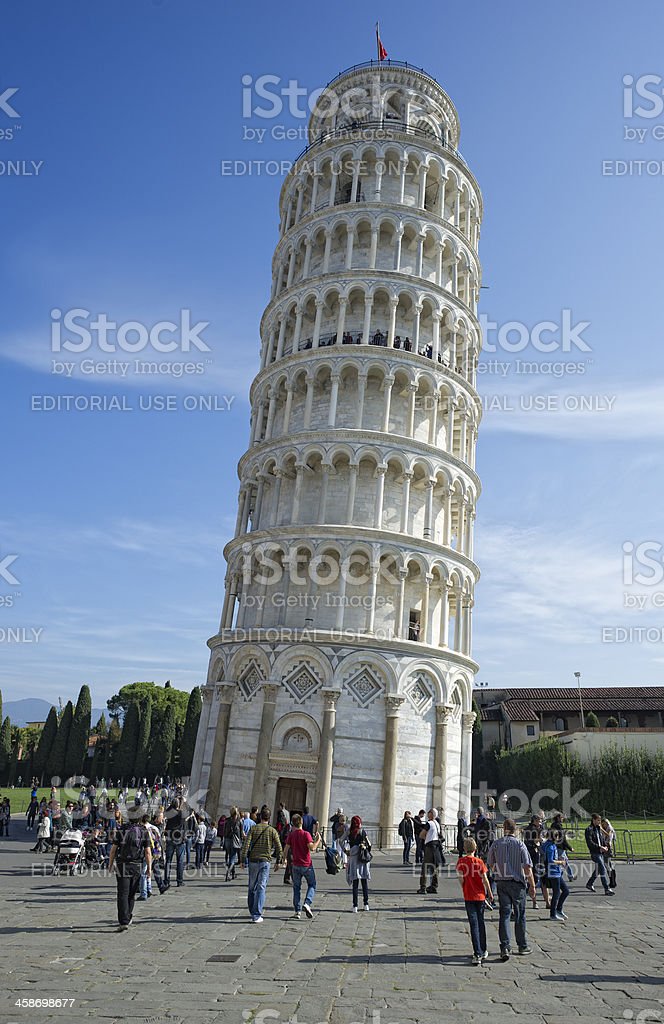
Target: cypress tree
[
  {"x": 143, "y": 745},
  {"x": 101, "y": 728},
  {"x": 112, "y": 741},
  {"x": 56, "y": 759},
  {"x": 45, "y": 745},
  {"x": 125, "y": 755},
  {"x": 194, "y": 708},
  {"x": 77, "y": 743},
  {"x": 162, "y": 746},
  {"x": 5, "y": 748}
]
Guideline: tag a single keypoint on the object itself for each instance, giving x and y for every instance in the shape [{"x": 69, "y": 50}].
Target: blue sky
[{"x": 118, "y": 518}]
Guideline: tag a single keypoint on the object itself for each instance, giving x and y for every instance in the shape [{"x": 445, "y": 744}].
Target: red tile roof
[{"x": 522, "y": 705}]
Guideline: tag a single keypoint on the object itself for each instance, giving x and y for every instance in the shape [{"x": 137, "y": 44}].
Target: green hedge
[{"x": 617, "y": 778}]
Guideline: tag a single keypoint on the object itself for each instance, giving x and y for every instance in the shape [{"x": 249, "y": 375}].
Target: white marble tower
[{"x": 342, "y": 671}]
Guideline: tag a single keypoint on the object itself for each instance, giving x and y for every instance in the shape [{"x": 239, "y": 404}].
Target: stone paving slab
[{"x": 407, "y": 961}]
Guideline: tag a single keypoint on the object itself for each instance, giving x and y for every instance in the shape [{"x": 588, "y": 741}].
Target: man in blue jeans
[
  {"x": 512, "y": 870},
  {"x": 598, "y": 847},
  {"x": 175, "y": 843},
  {"x": 300, "y": 845},
  {"x": 260, "y": 845}
]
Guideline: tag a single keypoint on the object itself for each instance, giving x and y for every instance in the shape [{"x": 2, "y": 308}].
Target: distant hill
[{"x": 33, "y": 709}]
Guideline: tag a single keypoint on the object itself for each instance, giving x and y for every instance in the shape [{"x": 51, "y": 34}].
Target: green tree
[
  {"x": 5, "y": 749},
  {"x": 125, "y": 755},
  {"x": 79, "y": 734},
  {"x": 144, "y": 737},
  {"x": 46, "y": 738},
  {"x": 592, "y": 721},
  {"x": 101, "y": 728},
  {"x": 55, "y": 766},
  {"x": 112, "y": 743},
  {"x": 191, "y": 721},
  {"x": 162, "y": 745},
  {"x": 136, "y": 693}
]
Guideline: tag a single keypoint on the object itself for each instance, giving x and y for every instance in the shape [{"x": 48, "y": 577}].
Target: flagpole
[{"x": 378, "y": 41}]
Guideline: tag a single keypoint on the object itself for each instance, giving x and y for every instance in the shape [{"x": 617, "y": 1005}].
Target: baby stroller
[{"x": 69, "y": 852}]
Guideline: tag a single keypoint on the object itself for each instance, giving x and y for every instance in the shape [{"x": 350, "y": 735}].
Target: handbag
[
  {"x": 612, "y": 878},
  {"x": 237, "y": 842},
  {"x": 364, "y": 854}
]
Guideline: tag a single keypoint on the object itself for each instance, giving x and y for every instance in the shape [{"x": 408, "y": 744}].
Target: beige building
[{"x": 516, "y": 716}]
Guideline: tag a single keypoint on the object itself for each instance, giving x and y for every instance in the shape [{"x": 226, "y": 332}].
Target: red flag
[{"x": 382, "y": 52}]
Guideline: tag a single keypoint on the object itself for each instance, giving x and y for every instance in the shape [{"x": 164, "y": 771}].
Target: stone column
[
  {"x": 420, "y": 255},
  {"x": 325, "y": 477},
  {"x": 262, "y": 768},
  {"x": 298, "y": 329},
  {"x": 349, "y": 248},
  {"x": 280, "y": 340},
  {"x": 392, "y": 706},
  {"x": 278, "y": 474},
  {"x": 393, "y": 322},
  {"x": 445, "y": 615},
  {"x": 204, "y": 722},
  {"x": 405, "y": 501},
  {"x": 375, "y": 569},
  {"x": 443, "y": 713},
  {"x": 401, "y": 600},
  {"x": 341, "y": 320},
  {"x": 424, "y": 616},
  {"x": 467, "y": 722},
  {"x": 334, "y": 397},
  {"x": 326, "y": 251},
  {"x": 428, "y": 519},
  {"x": 288, "y": 409},
  {"x": 361, "y": 392},
  {"x": 213, "y": 798},
  {"x": 397, "y": 251},
  {"x": 366, "y": 326},
  {"x": 412, "y": 389},
  {"x": 380, "y": 494},
  {"x": 373, "y": 248},
  {"x": 307, "y": 259},
  {"x": 317, "y": 323},
  {"x": 308, "y": 401},
  {"x": 387, "y": 391},
  {"x": 326, "y": 760},
  {"x": 297, "y": 494},
  {"x": 352, "y": 487}
]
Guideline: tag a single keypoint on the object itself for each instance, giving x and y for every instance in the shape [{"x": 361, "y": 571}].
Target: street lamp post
[{"x": 577, "y": 676}]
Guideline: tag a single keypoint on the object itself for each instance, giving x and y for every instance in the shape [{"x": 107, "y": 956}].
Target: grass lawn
[{"x": 20, "y": 798}]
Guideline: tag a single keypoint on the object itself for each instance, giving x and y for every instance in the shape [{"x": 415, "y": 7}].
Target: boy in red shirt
[
  {"x": 472, "y": 875},
  {"x": 299, "y": 847}
]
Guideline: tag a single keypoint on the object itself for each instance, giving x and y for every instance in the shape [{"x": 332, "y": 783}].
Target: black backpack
[{"x": 132, "y": 848}]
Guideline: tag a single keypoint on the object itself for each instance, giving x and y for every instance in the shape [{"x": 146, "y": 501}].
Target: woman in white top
[
  {"x": 43, "y": 834},
  {"x": 199, "y": 840}
]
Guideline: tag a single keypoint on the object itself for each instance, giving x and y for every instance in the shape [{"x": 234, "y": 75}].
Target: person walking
[
  {"x": 145, "y": 886},
  {"x": 234, "y": 835},
  {"x": 359, "y": 855},
  {"x": 512, "y": 869},
  {"x": 433, "y": 854},
  {"x": 43, "y": 834},
  {"x": 260, "y": 845},
  {"x": 420, "y": 823},
  {"x": 210, "y": 836},
  {"x": 175, "y": 843},
  {"x": 474, "y": 879},
  {"x": 554, "y": 862},
  {"x": 301, "y": 844},
  {"x": 598, "y": 847},
  {"x": 199, "y": 840},
  {"x": 407, "y": 833},
  {"x": 131, "y": 846},
  {"x": 462, "y": 825},
  {"x": 33, "y": 807},
  {"x": 532, "y": 837}
]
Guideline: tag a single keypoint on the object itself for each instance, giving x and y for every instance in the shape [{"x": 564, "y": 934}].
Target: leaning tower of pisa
[{"x": 342, "y": 674}]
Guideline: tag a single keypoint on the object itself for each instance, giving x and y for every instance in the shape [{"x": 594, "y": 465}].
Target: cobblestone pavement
[{"x": 407, "y": 959}]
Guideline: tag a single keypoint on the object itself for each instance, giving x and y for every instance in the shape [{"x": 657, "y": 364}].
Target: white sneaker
[
  {"x": 308, "y": 911},
  {"x": 366, "y": 906},
  {"x": 257, "y": 920},
  {"x": 355, "y": 910},
  {"x": 297, "y": 915}
]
